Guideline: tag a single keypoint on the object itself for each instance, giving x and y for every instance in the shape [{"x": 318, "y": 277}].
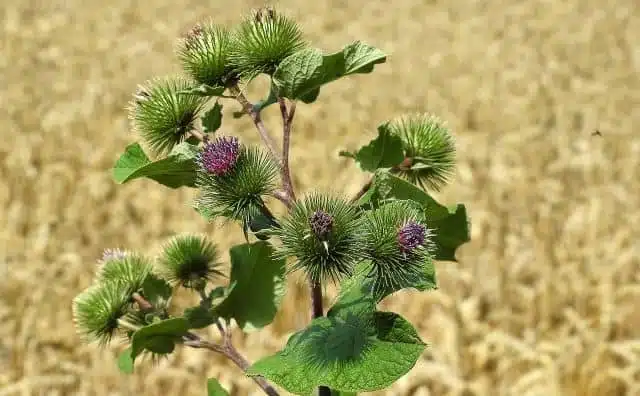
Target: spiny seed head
[
  {"x": 161, "y": 115},
  {"x": 262, "y": 41},
  {"x": 189, "y": 261},
  {"x": 129, "y": 269},
  {"x": 97, "y": 309},
  {"x": 220, "y": 156},
  {"x": 204, "y": 54},
  {"x": 428, "y": 147},
  {"x": 324, "y": 234},
  {"x": 321, "y": 223},
  {"x": 398, "y": 245},
  {"x": 237, "y": 193},
  {"x": 411, "y": 236}
]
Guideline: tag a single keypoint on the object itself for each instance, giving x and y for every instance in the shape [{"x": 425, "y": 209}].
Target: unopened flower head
[
  {"x": 411, "y": 236},
  {"x": 321, "y": 223},
  {"x": 220, "y": 156},
  {"x": 112, "y": 254}
]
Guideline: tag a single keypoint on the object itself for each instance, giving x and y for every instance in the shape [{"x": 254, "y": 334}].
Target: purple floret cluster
[
  {"x": 411, "y": 236},
  {"x": 321, "y": 223},
  {"x": 220, "y": 156}
]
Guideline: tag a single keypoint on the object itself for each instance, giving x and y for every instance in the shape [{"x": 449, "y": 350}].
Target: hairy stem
[
  {"x": 250, "y": 109},
  {"x": 287, "y": 120}
]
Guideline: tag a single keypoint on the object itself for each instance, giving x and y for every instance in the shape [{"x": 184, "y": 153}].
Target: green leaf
[
  {"x": 203, "y": 90},
  {"x": 212, "y": 119},
  {"x": 347, "y": 355},
  {"x": 176, "y": 170},
  {"x": 156, "y": 290},
  {"x": 125, "y": 362},
  {"x": 301, "y": 75},
  {"x": 385, "y": 151},
  {"x": 451, "y": 224},
  {"x": 215, "y": 389},
  {"x": 254, "y": 301},
  {"x": 159, "y": 337},
  {"x": 199, "y": 317}
]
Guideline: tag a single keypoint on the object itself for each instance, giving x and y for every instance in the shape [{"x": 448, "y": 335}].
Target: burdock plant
[{"x": 384, "y": 239}]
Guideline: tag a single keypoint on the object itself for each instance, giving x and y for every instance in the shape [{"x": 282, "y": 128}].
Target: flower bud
[
  {"x": 262, "y": 41},
  {"x": 398, "y": 244},
  {"x": 189, "y": 261},
  {"x": 323, "y": 233},
  {"x": 97, "y": 309},
  {"x": 429, "y": 150},
  {"x": 204, "y": 54},
  {"x": 161, "y": 116}
]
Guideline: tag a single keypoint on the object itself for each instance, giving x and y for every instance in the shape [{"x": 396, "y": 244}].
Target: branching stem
[
  {"x": 287, "y": 121},
  {"x": 250, "y": 109}
]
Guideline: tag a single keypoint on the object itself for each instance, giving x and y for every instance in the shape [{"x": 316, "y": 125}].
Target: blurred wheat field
[{"x": 544, "y": 301}]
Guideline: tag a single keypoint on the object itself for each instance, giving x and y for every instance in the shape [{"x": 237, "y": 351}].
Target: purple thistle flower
[
  {"x": 220, "y": 156},
  {"x": 112, "y": 254},
  {"x": 411, "y": 235},
  {"x": 321, "y": 223}
]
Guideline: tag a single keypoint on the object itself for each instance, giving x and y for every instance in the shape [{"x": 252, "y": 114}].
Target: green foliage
[
  {"x": 189, "y": 261},
  {"x": 158, "y": 338},
  {"x": 383, "y": 241},
  {"x": 385, "y": 151},
  {"x": 353, "y": 349},
  {"x": 161, "y": 116},
  {"x": 262, "y": 41},
  {"x": 212, "y": 119},
  {"x": 327, "y": 257},
  {"x": 215, "y": 389},
  {"x": 301, "y": 75},
  {"x": 204, "y": 55},
  {"x": 260, "y": 286},
  {"x": 178, "y": 169},
  {"x": 238, "y": 194}
]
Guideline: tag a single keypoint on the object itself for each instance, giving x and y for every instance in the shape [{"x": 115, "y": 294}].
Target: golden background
[{"x": 544, "y": 300}]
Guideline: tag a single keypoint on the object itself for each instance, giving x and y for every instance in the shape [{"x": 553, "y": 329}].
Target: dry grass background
[{"x": 544, "y": 301}]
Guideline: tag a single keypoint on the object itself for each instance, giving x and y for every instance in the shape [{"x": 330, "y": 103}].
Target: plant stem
[
  {"x": 362, "y": 191},
  {"x": 317, "y": 312},
  {"x": 257, "y": 120},
  {"x": 287, "y": 120},
  {"x": 229, "y": 351}
]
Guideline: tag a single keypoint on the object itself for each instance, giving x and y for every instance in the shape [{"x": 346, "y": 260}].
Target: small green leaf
[
  {"x": 261, "y": 226},
  {"x": 451, "y": 224},
  {"x": 385, "y": 151},
  {"x": 156, "y": 290},
  {"x": 212, "y": 119},
  {"x": 159, "y": 337},
  {"x": 348, "y": 154},
  {"x": 301, "y": 75},
  {"x": 176, "y": 170},
  {"x": 347, "y": 355},
  {"x": 215, "y": 389},
  {"x": 125, "y": 362},
  {"x": 203, "y": 90},
  {"x": 199, "y": 316},
  {"x": 254, "y": 301}
]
